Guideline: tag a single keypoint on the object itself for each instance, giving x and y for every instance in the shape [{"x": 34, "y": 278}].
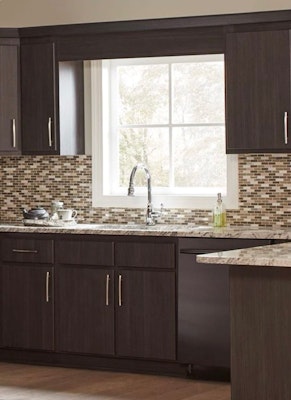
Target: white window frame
[{"x": 101, "y": 196}]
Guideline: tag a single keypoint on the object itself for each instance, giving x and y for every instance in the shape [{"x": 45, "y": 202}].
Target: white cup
[{"x": 66, "y": 214}]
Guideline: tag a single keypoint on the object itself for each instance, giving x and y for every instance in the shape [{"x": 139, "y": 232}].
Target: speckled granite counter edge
[
  {"x": 278, "y": 255},
  {"x": 157, "y": 230}
]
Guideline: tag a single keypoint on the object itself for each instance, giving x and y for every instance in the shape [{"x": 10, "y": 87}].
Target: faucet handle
[
  {"x": 161, "y": 211},
  {"x": 156, "y": 214}
]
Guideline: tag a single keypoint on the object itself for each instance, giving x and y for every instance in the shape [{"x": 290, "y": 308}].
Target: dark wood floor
[{"x": 25, "y": 382}]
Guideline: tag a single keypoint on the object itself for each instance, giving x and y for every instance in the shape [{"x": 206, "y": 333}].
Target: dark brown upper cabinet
[
  {"x": 38, "y": 97},
  {"x": 51, "y": 124},
  {"x": 10, "y": 138},
  {"x": 257, "y": 53},
  {"x": 258, "y": 92}
]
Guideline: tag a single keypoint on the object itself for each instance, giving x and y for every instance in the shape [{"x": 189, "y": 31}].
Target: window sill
[{"x": 139, "y": 201}]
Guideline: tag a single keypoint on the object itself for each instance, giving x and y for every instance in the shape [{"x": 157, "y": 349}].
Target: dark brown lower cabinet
[
  {"x": 27, "y": 307},
  {"x": 145, "y": 314},
  {"x": 78, "y": 296},
  {"x": 85, "y": 310},
  {"x": 260, "y": 306},
  {"x": 106, "y": 307}
]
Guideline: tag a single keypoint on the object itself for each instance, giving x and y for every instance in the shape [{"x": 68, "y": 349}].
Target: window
[{"x": 167, "y": 113}]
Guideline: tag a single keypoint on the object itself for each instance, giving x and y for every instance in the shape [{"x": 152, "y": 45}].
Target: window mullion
[
  {"x": 171, "y": 166},
  {"x": 114, "y": 127}
]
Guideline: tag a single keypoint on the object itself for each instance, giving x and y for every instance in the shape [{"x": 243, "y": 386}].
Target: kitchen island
[{"x": 260, "y": 310}]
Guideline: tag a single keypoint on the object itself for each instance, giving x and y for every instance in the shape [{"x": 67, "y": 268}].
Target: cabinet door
[
  {"x": 258, "y": 91},
  {"x": 27, "y": 307},
  {"x": 38, "y": 98},
  {"x": 145, "y": 314},
  {"x": 84, "y": 310},
  {"x": 9, "y": 100}
]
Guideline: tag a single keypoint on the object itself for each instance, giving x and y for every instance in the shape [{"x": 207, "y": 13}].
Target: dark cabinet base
[
  {"x": 260, "y": 305},
  {"x": 167, "y": 368}
]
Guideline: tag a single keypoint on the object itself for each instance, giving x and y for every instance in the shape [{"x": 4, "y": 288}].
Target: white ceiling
[{"x": 20, "y": 13}]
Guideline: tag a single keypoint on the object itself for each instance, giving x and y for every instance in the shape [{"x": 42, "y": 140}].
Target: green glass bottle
[{"x": 219, "y": 213}]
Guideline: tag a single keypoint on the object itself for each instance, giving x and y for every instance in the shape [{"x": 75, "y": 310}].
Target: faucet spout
[{"x": 149, "y": 213}]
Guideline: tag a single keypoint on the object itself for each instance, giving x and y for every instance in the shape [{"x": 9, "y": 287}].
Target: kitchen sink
[
  {"x": 158, "y": 227},
  {"x": 126, "y": 226}
]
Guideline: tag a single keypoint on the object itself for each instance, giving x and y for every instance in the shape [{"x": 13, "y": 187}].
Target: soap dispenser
[{"x": 219, "y": 213}]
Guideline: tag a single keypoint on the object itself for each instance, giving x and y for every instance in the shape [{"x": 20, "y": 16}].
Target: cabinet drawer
[
  {"x": 148, "y": 255},
  {"x": 84, "y": 252},
  {"x": 27, "y": 250}
]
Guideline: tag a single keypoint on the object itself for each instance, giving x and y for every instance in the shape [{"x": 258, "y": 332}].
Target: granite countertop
[
  {"x": 277, "y": 255},
  {"x": 240, "y": 232}
]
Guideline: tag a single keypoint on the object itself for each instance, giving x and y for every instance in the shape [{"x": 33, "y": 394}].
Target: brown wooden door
[
  {"x": 9, "y": 100},
  {"x": 27, "y": 307},
  {"x": 85, "y": 310},
  {"x": 257, "y": 91},
  {"x": 145, "y": 314},
  {"x": 38, "y": 99}
]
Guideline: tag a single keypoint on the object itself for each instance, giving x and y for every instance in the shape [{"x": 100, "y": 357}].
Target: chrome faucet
[{"x": 151, "y": 215}]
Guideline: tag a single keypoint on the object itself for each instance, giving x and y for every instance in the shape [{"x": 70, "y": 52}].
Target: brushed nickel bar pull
[
  {"x": 107, "y": 290},
  {"x": 119, "y": 290},
  {"x": 49, "y": 126},
  {"x": 47, "y": 283},
  {"x": 286, "y": 127},
  {"x": 14, "y": 133},
  {"x": 24, "y": 251}
]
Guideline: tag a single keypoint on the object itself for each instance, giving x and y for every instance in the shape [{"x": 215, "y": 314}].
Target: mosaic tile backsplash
[{"x": 26, "y": 181}]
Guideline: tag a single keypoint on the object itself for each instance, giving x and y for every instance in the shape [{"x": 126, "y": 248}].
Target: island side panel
[{"x": 260, "y": 301}]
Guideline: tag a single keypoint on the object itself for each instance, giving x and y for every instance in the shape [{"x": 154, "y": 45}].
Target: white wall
[{"x": 19, "y": 13}]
